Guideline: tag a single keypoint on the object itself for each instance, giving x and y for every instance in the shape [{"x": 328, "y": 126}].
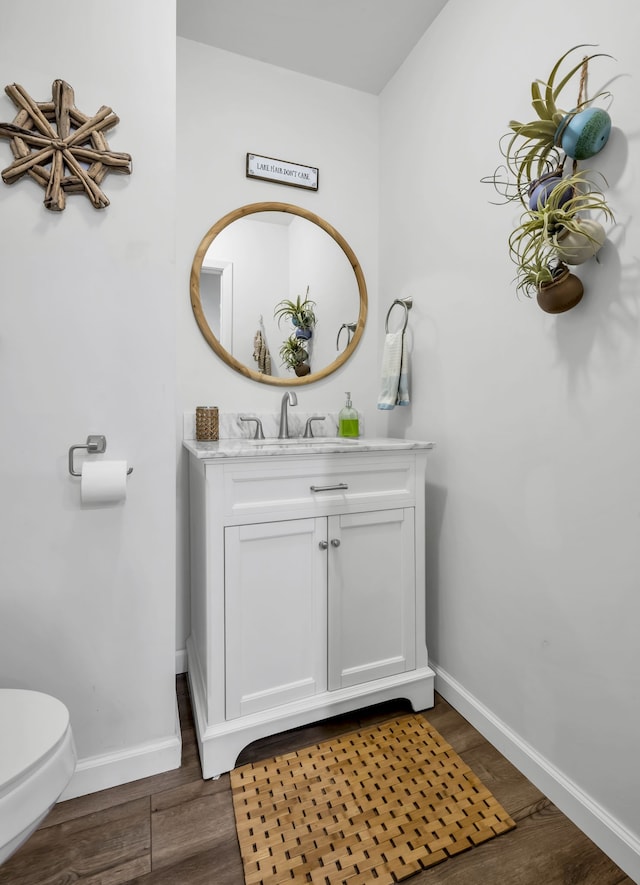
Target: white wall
[
  {"x": 228, "y": 106},
  {"x": 87, "y": 345},
  {"x": 533, "y": 553}
]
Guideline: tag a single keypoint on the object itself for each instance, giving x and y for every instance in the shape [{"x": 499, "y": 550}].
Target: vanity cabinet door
[
  {"x": 371, "y": 585},
  {"x": 275, "y": 614}
]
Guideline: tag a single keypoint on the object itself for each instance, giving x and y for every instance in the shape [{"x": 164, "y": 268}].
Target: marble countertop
[{"x": 250, "y": 448}]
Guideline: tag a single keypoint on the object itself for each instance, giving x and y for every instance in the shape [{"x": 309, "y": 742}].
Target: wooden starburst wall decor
[{"x": 61, "y": 148}]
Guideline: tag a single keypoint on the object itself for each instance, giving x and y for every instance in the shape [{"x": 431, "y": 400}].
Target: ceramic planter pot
[
  {"x": 301, "y": 322},
  {"x": 303, "y": 333},
  {"x": 302, "y": 369},
  {"x": 561, "y": 294},
  {"x": 583, "y": 134},
  {"x": 576, "y": 247},
  {"x": 540, "y": 189}
]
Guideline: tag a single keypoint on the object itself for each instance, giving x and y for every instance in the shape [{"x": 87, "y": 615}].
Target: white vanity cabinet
[{"x": 308, "y": 589}]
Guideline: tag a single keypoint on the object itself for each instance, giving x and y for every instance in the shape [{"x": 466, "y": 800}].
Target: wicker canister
[{"x": 207, "y": 422}]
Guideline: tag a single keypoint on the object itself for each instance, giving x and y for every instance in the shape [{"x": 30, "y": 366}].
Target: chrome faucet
[{"x": 289, "y": 399}]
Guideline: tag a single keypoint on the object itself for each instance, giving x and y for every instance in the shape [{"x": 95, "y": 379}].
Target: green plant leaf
[
  {"x": 573, "y": 71},
  {"x": 537, "y": 101},
  {"x": 537, "y": 129},
  {"x": 550, "y": 95}
]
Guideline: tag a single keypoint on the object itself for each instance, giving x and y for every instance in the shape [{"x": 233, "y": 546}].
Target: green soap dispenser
[{"x": 348, "y": 423}]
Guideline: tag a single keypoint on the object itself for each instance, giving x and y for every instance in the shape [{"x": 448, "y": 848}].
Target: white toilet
[{"x": 37, "y": 760}]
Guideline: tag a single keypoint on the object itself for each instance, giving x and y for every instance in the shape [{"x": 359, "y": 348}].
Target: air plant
[
  {"x": 556, "y": 229},
  {"x": 300, "y": 312},
  {"x": 294, "y": 355},
  {"x": 536, "y": 246},
  {"x": 535, "y": 147}
]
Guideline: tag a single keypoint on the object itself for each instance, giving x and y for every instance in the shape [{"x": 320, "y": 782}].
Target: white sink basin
[{"x": 300, "y": 441}]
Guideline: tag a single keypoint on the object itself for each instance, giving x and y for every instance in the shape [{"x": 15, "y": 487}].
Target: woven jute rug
[{"x": 372, "y": 807}]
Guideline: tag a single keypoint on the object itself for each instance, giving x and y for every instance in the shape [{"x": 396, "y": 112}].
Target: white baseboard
[
  {"x": 112, "y": 769},
  {"x": 181, "y": 661},
  {"x": 622, "y": 846}
]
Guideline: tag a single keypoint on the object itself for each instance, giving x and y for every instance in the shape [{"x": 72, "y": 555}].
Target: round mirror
[{"x": 278, "y": 294}]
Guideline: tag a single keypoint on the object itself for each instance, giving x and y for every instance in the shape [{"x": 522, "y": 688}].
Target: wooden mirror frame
[{"x": 196, "y": 303}]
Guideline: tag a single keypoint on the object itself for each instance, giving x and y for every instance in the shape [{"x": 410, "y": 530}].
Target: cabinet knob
[
  {"x": 335, "y": 542},
  {"x": 323, "y": 545}
]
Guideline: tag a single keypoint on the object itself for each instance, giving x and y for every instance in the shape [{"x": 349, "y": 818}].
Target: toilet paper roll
[{"x": 103, "y": 482}]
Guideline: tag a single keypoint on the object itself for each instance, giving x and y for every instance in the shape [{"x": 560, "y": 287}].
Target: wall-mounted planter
[
  {"x": 583, "y": 134},
  {"x": 557, "y": 228},
  {"x": 540, "y": 189},
  {"x": 576, "y": 247},
  {"x": 561, "y": 294}
]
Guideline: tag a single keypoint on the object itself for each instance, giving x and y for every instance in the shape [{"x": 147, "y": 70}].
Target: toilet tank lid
[{"x": 33, "y": 724}]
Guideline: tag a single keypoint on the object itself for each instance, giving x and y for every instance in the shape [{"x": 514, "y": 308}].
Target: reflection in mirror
[
  {"x": 216, "y": 294},
  {"x": 258, "y": 256},
  {"x": 349, "y": 329}
]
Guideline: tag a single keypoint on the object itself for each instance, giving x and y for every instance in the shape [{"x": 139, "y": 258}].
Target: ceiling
[{"x": 356, "y": 43}]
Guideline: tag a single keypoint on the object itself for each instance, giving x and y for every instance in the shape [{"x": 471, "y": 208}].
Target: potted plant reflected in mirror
[
  {"x": 559, "y": 232},
  {"x": 295, "y": 357},
  {"x": 300, "y": 313}
]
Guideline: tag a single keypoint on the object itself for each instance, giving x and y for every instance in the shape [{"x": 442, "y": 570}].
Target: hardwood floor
[{"x": 176, "y": 829}]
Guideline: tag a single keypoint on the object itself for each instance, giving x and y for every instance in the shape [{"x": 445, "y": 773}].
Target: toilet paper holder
[{"x": 96, "y": 444}]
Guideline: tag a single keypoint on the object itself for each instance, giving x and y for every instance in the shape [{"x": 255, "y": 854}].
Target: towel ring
[
  {"x": 406, "y": 304},
  {"x": 350, "y": 327}
]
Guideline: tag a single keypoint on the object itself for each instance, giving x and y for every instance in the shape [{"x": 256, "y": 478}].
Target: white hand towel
[
  {"x": 403, "y": 383},
  {"x": 394, "y": 384}
]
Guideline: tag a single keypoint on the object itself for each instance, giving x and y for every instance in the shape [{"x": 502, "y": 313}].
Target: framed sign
[{"x": 282, "y": 172}]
